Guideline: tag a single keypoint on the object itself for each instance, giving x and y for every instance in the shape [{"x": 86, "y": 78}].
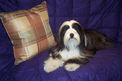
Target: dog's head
[{"x": 70, "y": 35}]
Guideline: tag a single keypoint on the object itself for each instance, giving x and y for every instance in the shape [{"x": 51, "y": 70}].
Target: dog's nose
[{"x": 71, "y": 35}]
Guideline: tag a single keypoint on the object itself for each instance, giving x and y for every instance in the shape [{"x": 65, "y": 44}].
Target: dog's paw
[
  {"x": 72, "y": 67},
  {"x": 49, "y": 68},
  {"x": 52, "y": 64}
]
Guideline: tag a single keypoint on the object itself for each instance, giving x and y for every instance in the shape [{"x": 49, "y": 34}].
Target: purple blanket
[{"x": 102, "y": 15}]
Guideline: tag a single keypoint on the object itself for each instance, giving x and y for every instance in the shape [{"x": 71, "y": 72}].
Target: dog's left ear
[{"x": 80, "y": 31}]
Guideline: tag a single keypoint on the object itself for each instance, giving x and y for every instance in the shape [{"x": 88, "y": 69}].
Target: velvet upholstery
[{"x": 102, "y": 15}]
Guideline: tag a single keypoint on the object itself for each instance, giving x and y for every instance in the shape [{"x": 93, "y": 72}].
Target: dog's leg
[
  {"x": 73, "y": 64},
  {"x": 52, "y": 64}
]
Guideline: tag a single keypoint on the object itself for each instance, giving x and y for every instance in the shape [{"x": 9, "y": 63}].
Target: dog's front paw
[
  {"x": 52, "y": 64},
  {"x": 72, "y": 67},
  {"x": 49, "y": 67}
]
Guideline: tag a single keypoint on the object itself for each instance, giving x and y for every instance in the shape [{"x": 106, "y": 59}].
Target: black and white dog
[{"x": 75, "y": 46}]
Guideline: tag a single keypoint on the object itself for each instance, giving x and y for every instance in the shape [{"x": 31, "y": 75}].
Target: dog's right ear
[
  {"x": 60, "y": 36},
  {"x": 60, "y": 44}
]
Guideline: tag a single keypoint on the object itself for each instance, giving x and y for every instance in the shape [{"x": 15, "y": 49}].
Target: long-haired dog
[{"x": 75, "y": 46}]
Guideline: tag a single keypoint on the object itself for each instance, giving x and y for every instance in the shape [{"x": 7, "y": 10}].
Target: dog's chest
[{"x": 69, "y": 54}]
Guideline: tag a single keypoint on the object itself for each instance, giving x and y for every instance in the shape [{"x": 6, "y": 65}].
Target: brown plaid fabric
[{"x": 29, "y": 31}]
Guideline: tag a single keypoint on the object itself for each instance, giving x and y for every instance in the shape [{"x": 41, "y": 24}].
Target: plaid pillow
[{"x": 29, "y": 31}]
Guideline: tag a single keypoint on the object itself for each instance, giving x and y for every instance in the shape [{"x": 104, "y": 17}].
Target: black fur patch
[
  {"x": 59, "y": 38},
  {"x": 77, "y": 61},
  {"x": 54, "y": 54}
]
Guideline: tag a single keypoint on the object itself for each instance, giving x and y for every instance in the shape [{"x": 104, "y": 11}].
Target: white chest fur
[{"x": 70, "y": 54}]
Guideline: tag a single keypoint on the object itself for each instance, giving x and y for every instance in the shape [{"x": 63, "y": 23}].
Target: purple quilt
[{"x": 102, "y": 15}]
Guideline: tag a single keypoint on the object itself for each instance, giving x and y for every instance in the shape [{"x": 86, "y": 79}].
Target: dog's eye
[
  {"x": 66, "y": 27},
  {"x": 76, "y": 26}
]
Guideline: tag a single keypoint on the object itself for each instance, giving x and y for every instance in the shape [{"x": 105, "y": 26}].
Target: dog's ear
[
  {"x": 60, "y": 36},
  {"x": 59, "y": 40},
  {"x": 80, "y": 31}
]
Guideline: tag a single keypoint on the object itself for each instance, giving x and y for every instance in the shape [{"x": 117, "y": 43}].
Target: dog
[{"x": 75, "y": 46}]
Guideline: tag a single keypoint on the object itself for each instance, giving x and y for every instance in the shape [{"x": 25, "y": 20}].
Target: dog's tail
[
  {"x": 97, "y": 41},
  {"x": 107, "y": 43}
]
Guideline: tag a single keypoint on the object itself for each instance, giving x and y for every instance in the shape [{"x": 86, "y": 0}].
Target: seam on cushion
[
  {"x": 16, "y": 5},
  {"x": 54, "y": 17},
  {"x": 89, "y": 7},
  {"x": 5, "y": 5},
  {"x": 68, "y": 75},
  {"x": 72, "y": 8},
  {"x": 88, "y": 14},
  {"x": 119, "y": 22},
  {"x": 116, "y": 38}
]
